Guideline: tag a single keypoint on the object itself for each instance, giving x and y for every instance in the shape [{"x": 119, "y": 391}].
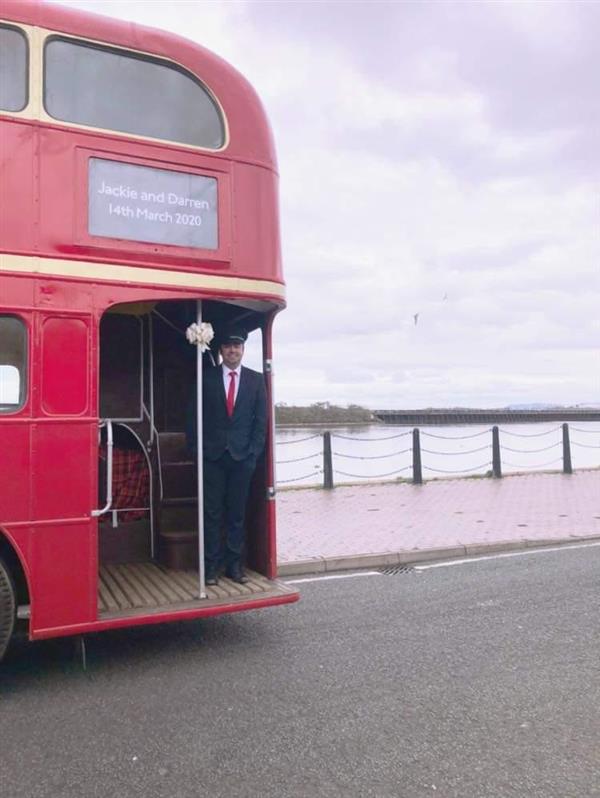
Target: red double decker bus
[{"x": 139, "y": 196}]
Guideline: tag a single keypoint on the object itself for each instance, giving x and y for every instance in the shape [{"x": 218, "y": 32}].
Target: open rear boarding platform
[
  {"x": 149, "y": 551},
  {"x": 125, "y": 589}
]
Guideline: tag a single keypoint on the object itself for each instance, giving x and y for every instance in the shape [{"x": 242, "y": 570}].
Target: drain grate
[{"x": 392, "y": 570}]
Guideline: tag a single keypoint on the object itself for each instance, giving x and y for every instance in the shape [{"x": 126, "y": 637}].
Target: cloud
[{"x": 435, "y": 158}]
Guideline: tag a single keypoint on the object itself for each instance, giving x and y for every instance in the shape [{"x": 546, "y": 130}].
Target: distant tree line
[
  {"x": 327, "y": 413},
  {"x": 322, "y": 413}
]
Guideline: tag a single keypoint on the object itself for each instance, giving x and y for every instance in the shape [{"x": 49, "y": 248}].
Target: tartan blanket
[{"x": 130, "y": 483}]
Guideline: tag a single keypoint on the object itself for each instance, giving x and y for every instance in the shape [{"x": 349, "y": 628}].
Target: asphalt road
[{"x": 474, "y": 681}]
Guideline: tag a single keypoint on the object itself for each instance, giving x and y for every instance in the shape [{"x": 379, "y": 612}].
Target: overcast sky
[{"x": 436, "y": 158}]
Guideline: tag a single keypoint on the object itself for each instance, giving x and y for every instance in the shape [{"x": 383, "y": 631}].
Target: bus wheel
[{"x": 8, "y": 608}]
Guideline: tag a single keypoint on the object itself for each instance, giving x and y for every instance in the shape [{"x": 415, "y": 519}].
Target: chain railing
[{"x": 326, "y": 470}]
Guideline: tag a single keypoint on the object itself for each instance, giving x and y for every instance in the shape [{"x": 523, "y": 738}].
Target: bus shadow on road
[{"x": 172, "y": 645}]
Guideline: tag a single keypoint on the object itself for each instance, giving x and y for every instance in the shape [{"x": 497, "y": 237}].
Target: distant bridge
[{"x": 465, "y": 416}]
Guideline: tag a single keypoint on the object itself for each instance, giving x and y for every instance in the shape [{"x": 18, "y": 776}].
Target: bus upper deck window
[
  {"x": 116, "y": 90},
  {"x": 13, "y": 364},
  {"x": 13, "y": 69}
]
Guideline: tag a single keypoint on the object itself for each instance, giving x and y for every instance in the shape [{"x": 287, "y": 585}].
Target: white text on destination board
[
  {"x": 134, "y": 212},
  {"x": 123, "y": 191}
]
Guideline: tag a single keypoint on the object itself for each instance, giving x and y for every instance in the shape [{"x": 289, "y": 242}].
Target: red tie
[{"x": 231, "y": 393}]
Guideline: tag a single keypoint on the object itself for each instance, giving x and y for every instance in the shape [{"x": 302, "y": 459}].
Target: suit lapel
[{"x": 220, "y": 387}]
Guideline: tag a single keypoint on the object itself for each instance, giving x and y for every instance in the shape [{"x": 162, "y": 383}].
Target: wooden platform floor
[{"x": 126, "y": 589}]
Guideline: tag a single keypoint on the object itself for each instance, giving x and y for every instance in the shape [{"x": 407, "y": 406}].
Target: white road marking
[
  {"x": 330, "y": 576},
  {"x": 475, "y": 558}
]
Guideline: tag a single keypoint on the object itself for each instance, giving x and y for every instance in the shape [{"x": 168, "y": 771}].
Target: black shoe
[
  {"x": 236, "y": 574},
  {"x": 211, "y": 579}
]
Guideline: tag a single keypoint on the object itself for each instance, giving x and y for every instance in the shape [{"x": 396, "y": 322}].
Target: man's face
[{"x": 232, "y": 353}]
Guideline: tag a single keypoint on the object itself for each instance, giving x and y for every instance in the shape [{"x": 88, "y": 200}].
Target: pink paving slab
[{"x": 375, "y": 519}]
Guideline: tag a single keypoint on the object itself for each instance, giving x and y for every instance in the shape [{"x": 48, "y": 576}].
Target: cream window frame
[
  {"x": 34, "y": 110},
  {"x": 33, "y": 94}
]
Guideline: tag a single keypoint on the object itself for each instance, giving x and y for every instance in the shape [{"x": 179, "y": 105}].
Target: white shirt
[{"x": 226, "y": 372}]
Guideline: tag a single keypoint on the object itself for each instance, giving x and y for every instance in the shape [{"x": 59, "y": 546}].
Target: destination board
[{"x": 139, "y": 203}]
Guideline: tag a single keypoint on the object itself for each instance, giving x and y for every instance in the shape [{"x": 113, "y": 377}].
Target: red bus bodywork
[{"x": 60, "y": 281}]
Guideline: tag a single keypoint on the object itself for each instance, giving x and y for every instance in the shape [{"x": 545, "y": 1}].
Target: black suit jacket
[{"x": 243, "y": 435}]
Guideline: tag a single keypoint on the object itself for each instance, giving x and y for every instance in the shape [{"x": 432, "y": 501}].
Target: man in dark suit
[{"x": 235, "y": 421}]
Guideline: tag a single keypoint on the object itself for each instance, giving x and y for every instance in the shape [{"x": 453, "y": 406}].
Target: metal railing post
[
  {"x": 567, "y": 467},
  {"x": 496, "y": 461},
  {"x": 327, "y": 462},
  {"x": 416, "y": 457}
]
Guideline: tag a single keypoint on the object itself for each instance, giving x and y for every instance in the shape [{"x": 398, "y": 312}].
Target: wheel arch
[{"x": 11, "y": 557}]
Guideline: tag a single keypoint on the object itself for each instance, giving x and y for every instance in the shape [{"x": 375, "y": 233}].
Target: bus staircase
[{"x": 178, "y": 504}]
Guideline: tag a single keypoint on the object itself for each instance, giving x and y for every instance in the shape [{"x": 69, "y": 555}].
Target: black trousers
[{"x": 226, "y": 485}]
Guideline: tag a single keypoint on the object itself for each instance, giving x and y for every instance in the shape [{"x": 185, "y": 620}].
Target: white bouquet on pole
[{"x": 200, "y": 334}]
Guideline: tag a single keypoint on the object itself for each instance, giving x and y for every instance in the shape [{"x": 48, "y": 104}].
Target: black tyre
[{"x": 8, "y": 608}]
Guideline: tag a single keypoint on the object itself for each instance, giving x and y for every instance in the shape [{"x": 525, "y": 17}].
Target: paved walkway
[{"x": 373, "y": 525}]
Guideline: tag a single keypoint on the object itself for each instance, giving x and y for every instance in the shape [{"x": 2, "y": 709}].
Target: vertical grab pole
[
  {"x": 151, "y": 375},
  {"x": 496, "y": 462},
  {"x": 199, "y": 459},
  {"x": 151, "y": 442},
  {"x": 567, "y": 467}
]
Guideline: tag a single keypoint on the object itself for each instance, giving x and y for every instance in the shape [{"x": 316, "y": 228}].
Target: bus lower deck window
[{"x": 13, "y": 364}]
